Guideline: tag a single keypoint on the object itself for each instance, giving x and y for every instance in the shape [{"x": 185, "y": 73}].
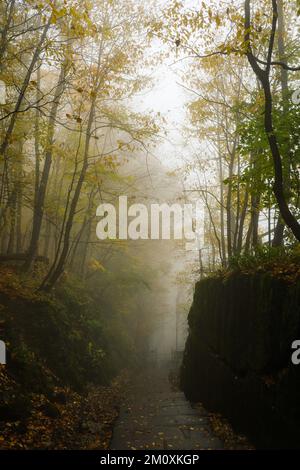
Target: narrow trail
[{"x": 154, "y": 415}]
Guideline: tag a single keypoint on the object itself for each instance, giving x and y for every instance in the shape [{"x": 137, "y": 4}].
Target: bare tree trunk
[
  {"x": 264, "y": 77},
  {"x": 229, "y": 206},
  {"x": 48, "y": 234},
  {"x": 58, "y": 190},
  {"x": 59, "y": 261},
  {"x": 255, "y": 201},
  {"x": 19, "y": 219},
  {"x": 222, "y": 222},
  {"x": 37, "y": 140},
  {"x": 7, "y": 23},
  {"x": 50, "y": 281},
  {"x": 6, "y": 140},
  {"x": 86, "y": 249},
  {"x": 239, "y": 209},
  {"x": 204, "y": 196},
  {"x": 84, "y": 230},
  {"x": 40, "y": 199},
  {"x": 242, "y": 222},
  {"x": 12, "y": 232},
  {"x": 248, "y": 237},
  {"x": 279, "y": 229}
]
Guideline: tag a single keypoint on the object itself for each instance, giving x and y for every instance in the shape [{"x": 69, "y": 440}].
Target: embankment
[
  {"x": 237, "y": 358},
  {"x": 65, "y": 351}
]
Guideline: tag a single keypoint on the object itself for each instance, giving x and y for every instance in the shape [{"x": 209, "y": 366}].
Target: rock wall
[{"x": 237, "y": 358}]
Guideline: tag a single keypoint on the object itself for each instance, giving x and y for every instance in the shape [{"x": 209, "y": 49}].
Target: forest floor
[
  {"x": 49, "y": 399},
  {"x": 154, "y": 414},
  {"x": 71, "y": 421},
  {"x": 144, "y": 410}
]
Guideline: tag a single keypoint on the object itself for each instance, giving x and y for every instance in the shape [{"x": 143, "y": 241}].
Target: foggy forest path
[{"x": 155, "y": 415}]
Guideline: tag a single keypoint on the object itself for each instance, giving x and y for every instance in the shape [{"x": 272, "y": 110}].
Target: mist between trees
[
  {"x": 70, "y": 76},
  {"x": 80, "y": 125},
  {"x": 72, "y": 133}
]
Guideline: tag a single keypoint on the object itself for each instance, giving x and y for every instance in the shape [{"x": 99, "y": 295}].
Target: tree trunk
[
  {"x": 5, "y": 30},
  {"x": 37, "y": 140},
  {"x": 264, "y": 77},
  {"x": 255, "y": 201},
  {"x": 59, "y": 262},
  {"x": 242, "y": 221},
  {"x": 57, "y": 268},
  {"x": 19, "y": 219},
  {"x": 228, "y": 206},
  {"x": 12, "y": 232},
  {"x": 86, "y": 249},
  {"x": 222, "y": 222},
  {"x": 279, "y": 229},
  {"x": 40, "y": 199},
  {"x": 6, "y": 140}
]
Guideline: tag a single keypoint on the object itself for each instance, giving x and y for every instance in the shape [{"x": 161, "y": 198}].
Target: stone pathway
[{"x": 156, "y": 416}]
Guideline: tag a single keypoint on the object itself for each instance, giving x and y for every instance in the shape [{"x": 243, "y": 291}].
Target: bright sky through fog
[{"x": 169, "y": 98}]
